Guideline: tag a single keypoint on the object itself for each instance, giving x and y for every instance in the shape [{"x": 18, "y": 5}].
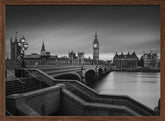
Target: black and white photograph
[{"x": 82, "y": 60}]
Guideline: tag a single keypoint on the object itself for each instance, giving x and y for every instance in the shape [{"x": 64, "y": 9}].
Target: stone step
[
  {"x": 82, "y": 95},
  {"x": 22, "y": 91},
  {"x": 21, "y": 87},
  {"x": 88, "y": 98},
  {"x": 16, "y": 86},
  {"x": 82, "y": 100}
]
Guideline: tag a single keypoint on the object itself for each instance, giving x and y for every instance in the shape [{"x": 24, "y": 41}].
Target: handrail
[
  {"x": 49, "y": 80},
  {"x": 31, "y": 74},
  {"x": 8, "y": 112},
  {"x": 41, "y": 72},
  {"x": 15, "y": 77},
  {"x": 82, "y": 91}
]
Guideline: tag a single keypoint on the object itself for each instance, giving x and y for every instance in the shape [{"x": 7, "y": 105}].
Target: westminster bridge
[
  {"x": 63, "y": 91},
  {"x": 85, "y": 74}
]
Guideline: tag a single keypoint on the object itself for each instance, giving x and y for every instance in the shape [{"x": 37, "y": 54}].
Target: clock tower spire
[{"x": 96, "y": 49}]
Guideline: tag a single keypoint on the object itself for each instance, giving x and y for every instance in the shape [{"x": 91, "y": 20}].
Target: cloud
[{"x": 66, "y": 28}]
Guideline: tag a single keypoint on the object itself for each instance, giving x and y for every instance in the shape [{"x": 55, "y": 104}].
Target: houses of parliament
[{"x": 45, "y": 58}]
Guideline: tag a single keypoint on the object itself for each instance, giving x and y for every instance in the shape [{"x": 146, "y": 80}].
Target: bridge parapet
[
  {"x": 35, "y": 103},
  {"x": 42, "y": 76}
]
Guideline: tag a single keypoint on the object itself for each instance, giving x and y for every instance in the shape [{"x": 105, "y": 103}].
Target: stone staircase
[
  {"x": 23, "y": 85},
  {"x": 114, "y": 103},
  {"x": 79, "y": 93},
  {"x": 85, "y": 96}
]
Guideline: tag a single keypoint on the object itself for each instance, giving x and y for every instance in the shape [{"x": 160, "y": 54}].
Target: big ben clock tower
[{"x": 96, "y": 49}]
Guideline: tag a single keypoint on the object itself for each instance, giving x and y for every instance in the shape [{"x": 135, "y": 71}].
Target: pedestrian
[{"x": 36, "y": 64}]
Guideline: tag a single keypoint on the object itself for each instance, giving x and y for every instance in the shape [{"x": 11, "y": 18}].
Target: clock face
[{"x": 95, "y": 45}]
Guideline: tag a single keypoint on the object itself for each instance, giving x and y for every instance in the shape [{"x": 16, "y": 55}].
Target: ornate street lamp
[{"x": 24, "y": 46}]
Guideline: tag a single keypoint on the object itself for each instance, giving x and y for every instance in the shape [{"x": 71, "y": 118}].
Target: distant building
[
  {"x": 96, "y": 50},
  {"x": 43, "y": 51},
  {"x": 151, "y": 60},
  {"x": 81, "y": 57},
  {"x": 72, "y": 55},
  {"x": 127, "y": 62},
  {"x": 109, "y": 62},
  {"x": 76, "y": 59},
  {"x": 15, "y": 50}
]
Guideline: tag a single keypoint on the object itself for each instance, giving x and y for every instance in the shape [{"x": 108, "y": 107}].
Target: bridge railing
[
  {"x": 54, "y": 68},
  {"x": 111, "y": 99},
  {"x": 63, "y": 67},
  {"x": 42, "y": 76},
  {"x": 79, "y": 85},
  {"x": 63, "y": 71},
  {"x": 11, "y": 76},
  {"x": 8, "y": 113}
]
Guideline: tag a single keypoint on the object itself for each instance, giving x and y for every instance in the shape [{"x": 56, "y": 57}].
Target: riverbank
[{"x": 140, "y": 69}]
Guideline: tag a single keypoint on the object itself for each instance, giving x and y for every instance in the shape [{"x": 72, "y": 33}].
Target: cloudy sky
[{"x": 66, "y": 28}]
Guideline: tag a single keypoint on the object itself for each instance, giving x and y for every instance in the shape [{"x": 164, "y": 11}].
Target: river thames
[{"x": 141, "y": 86}]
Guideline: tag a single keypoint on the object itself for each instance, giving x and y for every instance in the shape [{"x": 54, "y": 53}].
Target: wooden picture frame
[{"x": 3, "y": 3}]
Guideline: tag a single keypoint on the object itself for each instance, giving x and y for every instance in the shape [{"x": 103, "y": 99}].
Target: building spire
[
  {"x": 96, "y": 35},
  {"x": 16, "y": 36},
  {"x": 11, "y": 40},
  {"x": 43, "y": 46}
]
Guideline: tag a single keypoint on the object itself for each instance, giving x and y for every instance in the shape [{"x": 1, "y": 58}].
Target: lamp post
[{"x": 24, "y": 46}]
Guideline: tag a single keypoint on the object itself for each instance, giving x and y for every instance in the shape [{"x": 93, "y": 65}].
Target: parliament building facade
[{"x": 45, "y": 59}]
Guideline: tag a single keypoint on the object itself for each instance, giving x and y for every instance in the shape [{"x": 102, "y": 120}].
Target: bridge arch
[
  {"x": 90, "y": 75},
  {"x": 105, "y": 70},
  {"x": 100, "y": 72},
  {"x": 70, "y": 76}
]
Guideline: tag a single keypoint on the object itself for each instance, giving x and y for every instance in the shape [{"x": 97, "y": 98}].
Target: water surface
[{"x": 141, "y": 86}]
